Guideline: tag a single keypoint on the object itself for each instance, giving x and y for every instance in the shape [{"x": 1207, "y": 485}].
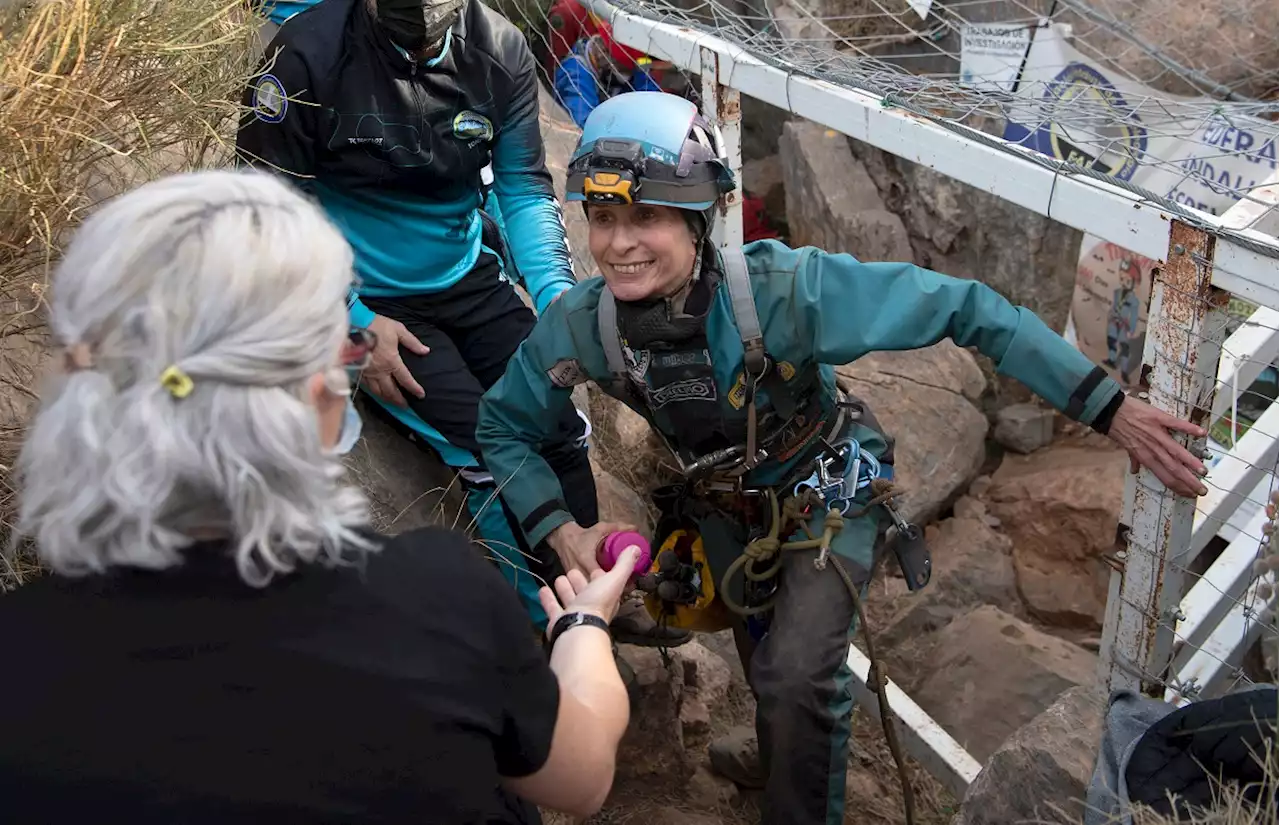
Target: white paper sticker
[
  {"x": 991, "y": 54},
  {"x": 921, "y": 7}
]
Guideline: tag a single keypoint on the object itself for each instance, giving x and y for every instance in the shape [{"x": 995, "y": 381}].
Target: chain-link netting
[{"x": 1176, "y": 103}]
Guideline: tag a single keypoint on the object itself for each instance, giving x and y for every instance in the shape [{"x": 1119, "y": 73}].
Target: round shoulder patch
[{"x": 269, "y": 99}]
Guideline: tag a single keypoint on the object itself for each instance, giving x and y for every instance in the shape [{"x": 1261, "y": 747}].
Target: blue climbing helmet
[{"x": 650, "y": 147}]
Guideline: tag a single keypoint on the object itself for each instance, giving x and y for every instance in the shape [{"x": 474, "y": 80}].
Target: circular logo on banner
[
  {"x": 1093, "y": 125},
  {"x": 269, "y": 100}
]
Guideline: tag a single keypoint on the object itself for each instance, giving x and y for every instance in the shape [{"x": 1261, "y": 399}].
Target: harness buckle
[{"x": 859, "y": 469}]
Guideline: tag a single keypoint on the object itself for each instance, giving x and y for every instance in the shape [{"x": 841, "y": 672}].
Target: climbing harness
[
  {"x": 679, "y": 588},
  {"x": 766, "y": 552}
]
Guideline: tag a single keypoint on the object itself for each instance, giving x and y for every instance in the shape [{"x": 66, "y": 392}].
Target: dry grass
[
  {"x": 93, "y": 90},
  {"x": 95, "y": 96}
]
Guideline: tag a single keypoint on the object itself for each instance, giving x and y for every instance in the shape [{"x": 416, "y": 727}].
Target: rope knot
[{"x": 765, "y": 547}]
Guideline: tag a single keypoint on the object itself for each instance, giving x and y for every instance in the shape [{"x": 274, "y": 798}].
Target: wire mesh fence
[{"x": 1177, "y": 105}]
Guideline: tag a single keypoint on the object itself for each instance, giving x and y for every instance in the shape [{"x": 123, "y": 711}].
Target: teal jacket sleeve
[
  {"x": 530, "y": 211},
  {"x": 519, "y": 414},
  {"x": 846, "y": 309}
]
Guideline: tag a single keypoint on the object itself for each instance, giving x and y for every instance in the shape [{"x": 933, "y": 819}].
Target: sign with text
[
  {"x": 1091, "y": 116},
  {"x": 991, "y": 54}
]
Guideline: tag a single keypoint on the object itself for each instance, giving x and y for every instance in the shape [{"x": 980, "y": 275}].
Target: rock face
[
  {"x": 923, "y": 398},
  {"x": 962, "y": 231},
  {"x": 972, "y": 566},
  {"x": 832, "y": 203},
  {"x": 620, "y": 503},
  {"x": 993, "y": 673},
  {"x": 407, "y": 488},
  {"x": 1040, "y": 774},
  {"x": 652, "y": 750},
  {"x": 1060, "y": 508},
  {"x": 1024, "y": 428}
]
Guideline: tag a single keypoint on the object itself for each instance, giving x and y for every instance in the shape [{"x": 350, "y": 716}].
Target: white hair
[{"x": 239, "y": 282}]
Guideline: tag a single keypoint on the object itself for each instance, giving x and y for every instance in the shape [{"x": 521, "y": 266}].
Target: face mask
[
  {"x": 415, "y": 24},
  {"x": 352, "y": 426}
]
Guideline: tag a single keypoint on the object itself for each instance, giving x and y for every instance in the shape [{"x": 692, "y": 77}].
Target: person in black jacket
[
  {"x": 406, "y": 119},
  {"x": 220, "y": 636}
]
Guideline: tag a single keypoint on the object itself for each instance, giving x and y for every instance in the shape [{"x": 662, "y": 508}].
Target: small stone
[
  {"x": 979, "y": 487},
  {"x": 695, "y": 718},
  {"x": 710, "y": 792},
  {"x": 970, "y": 507},
  {"x": 1024, "y": 428}
]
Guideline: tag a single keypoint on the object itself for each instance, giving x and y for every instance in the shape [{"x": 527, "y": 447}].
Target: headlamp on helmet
[{"x": 612, "y": 173}]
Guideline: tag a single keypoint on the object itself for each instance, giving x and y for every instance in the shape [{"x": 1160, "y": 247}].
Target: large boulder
[
  {"x": 972, "y": 566},
  {"x": 924, "y": 399},
  {"x": 832, "y": 203},
  {"x": 965, "y": 232},
  {"x": 707, "y": 678},
  {"x": 1060, "y": 507},
  {"x": 652, "y": 751},
  {"x": 1039, "y": 774},
  {"x": 407, "y": 487},
  {"x": 993, "y": 673}
]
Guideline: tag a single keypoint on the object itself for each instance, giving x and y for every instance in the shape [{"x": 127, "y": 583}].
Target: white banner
[
  {"x": 1089, "y": 115},
  {"x": 991, "y": 54}
]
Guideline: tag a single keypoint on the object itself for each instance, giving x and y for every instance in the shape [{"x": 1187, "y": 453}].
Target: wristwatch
[{"x": 571, "y": 620}]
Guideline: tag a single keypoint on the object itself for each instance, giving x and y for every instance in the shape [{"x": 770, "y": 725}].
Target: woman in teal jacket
[{"x": 728, "y": 355}]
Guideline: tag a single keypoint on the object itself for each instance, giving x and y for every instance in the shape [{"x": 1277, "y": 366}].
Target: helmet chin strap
[{"x": 675, "y": 300}]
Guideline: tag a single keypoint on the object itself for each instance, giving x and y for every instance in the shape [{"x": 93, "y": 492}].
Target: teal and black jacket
[
  {"x": 816, "y": 310},
  {"x": 404, "y": 155}
]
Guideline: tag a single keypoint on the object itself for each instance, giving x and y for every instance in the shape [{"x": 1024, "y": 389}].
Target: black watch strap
[{"x": 571, "y": 620}]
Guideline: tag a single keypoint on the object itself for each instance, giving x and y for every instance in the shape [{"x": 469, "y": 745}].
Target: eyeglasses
[{"x": 356, "y": 353}]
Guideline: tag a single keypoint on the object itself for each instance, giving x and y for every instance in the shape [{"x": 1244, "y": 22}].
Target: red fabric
[
  {"x": 567, "y": 22},
  {"x": 625, "y": 55},
  {"x": 755, "y": 223}
]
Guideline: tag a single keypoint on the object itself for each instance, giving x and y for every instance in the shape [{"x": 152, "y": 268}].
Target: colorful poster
[{"x": 1091, "y": 116}]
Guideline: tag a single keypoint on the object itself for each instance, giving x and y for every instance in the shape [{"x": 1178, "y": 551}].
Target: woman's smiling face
[{"x": 643, "y": 251}]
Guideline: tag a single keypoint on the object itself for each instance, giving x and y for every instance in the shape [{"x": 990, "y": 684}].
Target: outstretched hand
[
  {"x": 598, "y": 595},
  {"x": 1147, "y": 436}
]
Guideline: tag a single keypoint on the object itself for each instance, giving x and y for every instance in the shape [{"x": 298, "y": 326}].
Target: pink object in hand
[{"x": 614, "y": 545}]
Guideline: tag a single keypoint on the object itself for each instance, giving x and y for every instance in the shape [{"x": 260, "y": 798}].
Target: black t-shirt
[{"x": 393, "y": 692}]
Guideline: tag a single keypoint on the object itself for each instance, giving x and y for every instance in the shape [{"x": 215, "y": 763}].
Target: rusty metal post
[
  {"x": 723, "y": 106},
  {"x": 1185, "y": 329}
]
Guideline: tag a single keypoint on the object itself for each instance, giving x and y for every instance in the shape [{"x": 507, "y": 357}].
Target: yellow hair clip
[{"x": 177, "y": 382}]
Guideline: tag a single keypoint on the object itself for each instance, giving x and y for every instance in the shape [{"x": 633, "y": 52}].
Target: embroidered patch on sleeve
[
  {"x": 269, "y": 100},
  {"x": 567, "y": 372}
]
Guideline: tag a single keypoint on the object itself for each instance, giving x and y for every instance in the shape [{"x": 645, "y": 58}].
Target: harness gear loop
[{"x": 770, "y": 547}]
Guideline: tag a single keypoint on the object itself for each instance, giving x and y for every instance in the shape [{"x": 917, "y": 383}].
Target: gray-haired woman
[{"x": 222, "y": 638}]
